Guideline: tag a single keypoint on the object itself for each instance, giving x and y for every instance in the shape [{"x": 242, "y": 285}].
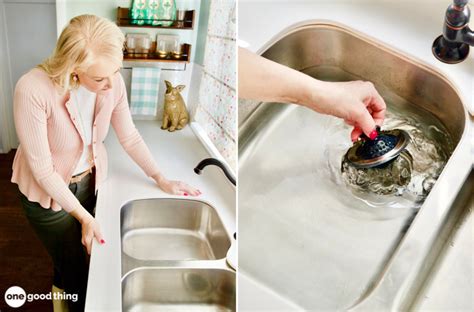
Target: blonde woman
[{"x": 63, "y": 109}]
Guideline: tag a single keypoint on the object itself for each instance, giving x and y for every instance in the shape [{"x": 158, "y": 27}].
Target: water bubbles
[
  {"x": 428, "y": 183},
  {"x": 405, "y": 174},
  {"x": 407, "y": 180},
  {"x": 379, "y": 180},
  {"x": 361, "y": 178}
]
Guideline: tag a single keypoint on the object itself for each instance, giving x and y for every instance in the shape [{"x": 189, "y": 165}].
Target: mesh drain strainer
[
  {"x": 388, "y": 145},
  {"x": 380, "y": 166}
]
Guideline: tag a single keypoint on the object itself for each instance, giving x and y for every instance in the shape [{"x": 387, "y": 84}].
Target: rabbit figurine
[{"x": 175, "y": 115}]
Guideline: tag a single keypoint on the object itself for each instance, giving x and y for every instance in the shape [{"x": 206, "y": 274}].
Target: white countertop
[
  {"x": 406, "y": 25},
  {"x": 176, "y": 154}
]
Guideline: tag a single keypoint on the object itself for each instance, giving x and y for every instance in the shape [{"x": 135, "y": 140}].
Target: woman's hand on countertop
[
  {"x": 90, "y": 228},
  {"x": 175, "y": 187}
]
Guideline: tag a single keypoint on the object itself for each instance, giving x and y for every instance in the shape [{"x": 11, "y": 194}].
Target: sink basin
[
  {"x": 173, "y": 257},
  {"x": 179, "y": 289},
  {"x": 449, "y": 283},
  {"x": 169, "y": 230},
  {"x": 314, "y": 251}
]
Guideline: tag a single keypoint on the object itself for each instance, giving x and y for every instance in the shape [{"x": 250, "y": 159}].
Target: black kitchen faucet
[
  {"x": 453, "y": 45},
  {"x": 212, "y": 161}
]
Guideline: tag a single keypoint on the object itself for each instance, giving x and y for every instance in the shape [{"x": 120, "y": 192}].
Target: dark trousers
[{"x": 61, "y": 234}]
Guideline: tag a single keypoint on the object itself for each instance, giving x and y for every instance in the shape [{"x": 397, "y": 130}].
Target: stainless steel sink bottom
[
  {"x": 167, "y": 244},
  {"x": 449, "y": 284},
  {"x": 155, "y": 230},
  {"x": 165, "y": 289},
  {"x": 314, "y": 248},
  {"x": 173, "y": 257}
]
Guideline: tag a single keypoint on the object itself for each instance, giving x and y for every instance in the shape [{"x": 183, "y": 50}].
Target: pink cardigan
[{"x": 51, "y": 142}]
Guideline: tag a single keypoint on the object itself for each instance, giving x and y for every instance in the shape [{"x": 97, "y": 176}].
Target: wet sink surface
[
  {"x": 153, "y": 289},
  {"x": 319, "y": 251},
  {"x": 318, "y": 247}
]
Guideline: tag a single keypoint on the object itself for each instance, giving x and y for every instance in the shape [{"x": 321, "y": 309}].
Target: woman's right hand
[
  {"x": 357, "y": 102},
  {"x": 91, "y": 229},
  {"x": 175, "y": 187}
]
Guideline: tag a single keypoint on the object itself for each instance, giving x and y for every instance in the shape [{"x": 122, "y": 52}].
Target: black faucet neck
[
  {"x": 213, "y": 161},
  {"x": 458, "y": 15}
]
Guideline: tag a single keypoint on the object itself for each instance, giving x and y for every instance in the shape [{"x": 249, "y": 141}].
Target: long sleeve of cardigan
[
  {"x": 128, "y": 135},
  {"x": 30, "y": 116}
]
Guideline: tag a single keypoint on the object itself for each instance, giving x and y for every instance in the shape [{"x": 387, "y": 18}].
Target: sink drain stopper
[
  {"x": 385, "y": 148},
  {"x": 381, "y": 165}
]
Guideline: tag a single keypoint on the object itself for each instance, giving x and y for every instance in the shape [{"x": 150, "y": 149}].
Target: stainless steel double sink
[
  {"x": 173, "y": 257},
  {"x": 313, "y": 251}
]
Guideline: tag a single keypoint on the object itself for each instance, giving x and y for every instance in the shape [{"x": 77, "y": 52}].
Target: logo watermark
[{"x": 16, "y": 296}]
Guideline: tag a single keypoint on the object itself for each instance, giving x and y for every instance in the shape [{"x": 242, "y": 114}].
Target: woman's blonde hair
[{"x": 84, "y": 39}]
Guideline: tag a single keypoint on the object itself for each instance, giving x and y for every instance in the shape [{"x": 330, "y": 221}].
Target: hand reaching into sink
[
  {"x": 175, "y": 187},
  {"x": 357, "y": 102}
]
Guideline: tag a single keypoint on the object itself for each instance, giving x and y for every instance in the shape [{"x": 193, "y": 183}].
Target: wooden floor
[{"x": 24, "y": 261}]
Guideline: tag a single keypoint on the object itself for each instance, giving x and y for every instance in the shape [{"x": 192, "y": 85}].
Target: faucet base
[{"x": 449, "y": 52}]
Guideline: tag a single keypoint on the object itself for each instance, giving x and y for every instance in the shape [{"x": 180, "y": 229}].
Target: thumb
[
  {"x": 367, "y": 124},
  {"x": 355, "y": 134}
]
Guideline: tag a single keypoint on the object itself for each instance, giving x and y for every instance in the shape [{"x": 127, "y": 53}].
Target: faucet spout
[
  {"x": 453, "y": 45},
  {"x": 468, "y": 36},
  {"x": 213, "y": 161}
]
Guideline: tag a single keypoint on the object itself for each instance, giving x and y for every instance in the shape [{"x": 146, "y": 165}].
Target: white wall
[
  {"x": 67, "y": 9},
  {"x": 31, "y": 31},
  {"x": 5, "y": 87},
  {"x": 27, "y": 36},
  {"x": 108, "y": 9}
]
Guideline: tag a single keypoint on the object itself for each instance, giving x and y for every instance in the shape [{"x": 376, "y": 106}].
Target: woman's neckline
[{"x": 84, "y": 90}]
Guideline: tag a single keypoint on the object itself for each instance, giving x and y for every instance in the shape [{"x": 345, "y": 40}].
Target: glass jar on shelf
[
  {"x": 145, "y": 46},
  {"x": 180, "y": 16},
  {"x": 176, "y": 48},
  {"x": 166, "y": 45},
  {"x": 131, "y": 45},
  {"x": 161, "y": 48}
]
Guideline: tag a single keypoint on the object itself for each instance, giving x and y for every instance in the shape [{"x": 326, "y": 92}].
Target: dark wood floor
[{"x": 24, "y": 261}]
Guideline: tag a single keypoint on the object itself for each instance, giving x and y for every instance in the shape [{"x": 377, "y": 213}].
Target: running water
[
  {"x": 384, "y": 180},
  {"x": 406, "y": 181}
]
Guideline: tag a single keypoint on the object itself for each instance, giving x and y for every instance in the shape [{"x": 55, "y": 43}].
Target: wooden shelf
[
  {"x": 123, "y": 20},
  {"x": 154, "y": 57}
]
